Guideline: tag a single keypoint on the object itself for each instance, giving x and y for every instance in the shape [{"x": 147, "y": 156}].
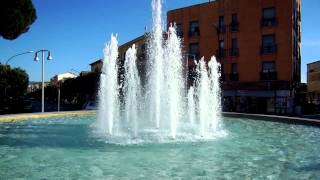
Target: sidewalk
[{"x": 26, "y": 116}]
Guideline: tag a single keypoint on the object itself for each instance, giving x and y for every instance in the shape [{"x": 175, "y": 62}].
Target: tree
[
  {"x": 16, "y": 16},
  {"x": 75, "y": 92},
  {"x": 81, "y": 89},
  {"x": 13, "y": 86}
]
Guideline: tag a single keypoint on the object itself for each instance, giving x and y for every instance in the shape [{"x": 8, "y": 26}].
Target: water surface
[{"x": 66, "y": 148}]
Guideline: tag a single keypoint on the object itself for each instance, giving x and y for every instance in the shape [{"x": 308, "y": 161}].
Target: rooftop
[
  {"x": 315, "y": 62},
  {"x": 195, "y": 5}
]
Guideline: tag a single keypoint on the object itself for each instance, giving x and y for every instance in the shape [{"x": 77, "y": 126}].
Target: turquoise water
[{"x": 66, "y": 148}]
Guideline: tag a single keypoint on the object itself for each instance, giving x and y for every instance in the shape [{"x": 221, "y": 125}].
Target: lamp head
[
  {"x": 49, "y": 56},
  {"x": 36, "y": 58}
]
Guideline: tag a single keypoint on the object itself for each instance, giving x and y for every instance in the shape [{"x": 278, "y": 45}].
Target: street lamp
[
  {"x": 36, "y": 58},
  {"x": 27, "y": 52}
]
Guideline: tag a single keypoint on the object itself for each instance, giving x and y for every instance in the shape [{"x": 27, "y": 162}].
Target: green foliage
[
  {"x": 80, "y": 89},
  {"x": 74, "y": 92},
  {"x": 16, "y": 16},
  {"x": 13, "y": 86}
]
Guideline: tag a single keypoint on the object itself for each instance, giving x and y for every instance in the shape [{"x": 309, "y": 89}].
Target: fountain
[
  {"x": 158, "y": 115},
  {"x": 167, "y": 110}
]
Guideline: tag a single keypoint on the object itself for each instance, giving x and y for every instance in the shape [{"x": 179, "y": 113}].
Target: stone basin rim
[{"x": 264, "y": 117}]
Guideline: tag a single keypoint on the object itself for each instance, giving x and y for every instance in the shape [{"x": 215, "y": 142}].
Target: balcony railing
[
  {"x": 268, "y": 76},
  {"x": 194, "y": 33},
  {"x": 269, "y": 48},
  {"x": 234, "y": 77},
  {"x": 234, "y": 52},
  {"x": 234, "y": 27},
  {"x": 269, "y": 22},
  {"x": 221, "y": 53}
]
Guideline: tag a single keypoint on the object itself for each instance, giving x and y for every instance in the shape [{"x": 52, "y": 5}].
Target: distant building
[
  {"x": 96, "y": 66},
  {"x": 84, "y": 73},
  {"x": 313, "y": 82},
  {"x": 257, "y": 44},
  {"x": 140, "y": 44},
  {"x": 313, "y": 77},
  {"x": 62, "y": 77},
  {"x": 34, "y": 86}
]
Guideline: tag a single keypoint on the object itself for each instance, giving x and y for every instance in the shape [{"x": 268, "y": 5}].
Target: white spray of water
[
  {"x": 156, "y": 58},
  {"x": 209, "y": 96},
  {"x": 203, "y": 93},
  {"x": 108, "y": 93},
  {"x": 173, "y": 79},
  {"x": 132, "y": 89},
  {"x": 191, "y": 106},
  {"x": 216, "y": 110}
]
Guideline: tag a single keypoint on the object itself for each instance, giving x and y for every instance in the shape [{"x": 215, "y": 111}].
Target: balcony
[
  {"x": 221, "y": 53},
  {"x": 268, "y": 76},
  {"x": 194, "y": 33},
  {"x": 269, "y": 22},
  {"x": 234, "y": 77},
  {"x": 269, "y": 48},
  {"x": 221, "y": 29},
  {"x": 234, "y": 27},
  {"x": 234, "y": 52}
]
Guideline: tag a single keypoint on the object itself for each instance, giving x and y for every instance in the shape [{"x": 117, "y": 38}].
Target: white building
[{"x": 62, "y": 77}]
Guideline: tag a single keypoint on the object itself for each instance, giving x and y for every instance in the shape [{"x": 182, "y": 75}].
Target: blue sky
[{"x": 76, "y": 31}]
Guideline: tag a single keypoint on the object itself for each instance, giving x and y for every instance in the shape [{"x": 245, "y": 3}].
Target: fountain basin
[{"x": 67, "y": 148}]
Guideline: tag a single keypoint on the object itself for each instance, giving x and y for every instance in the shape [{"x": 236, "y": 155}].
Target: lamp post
[
  {"x": 36, "y": 58},
  {"x": 27, "y": 52},
  {"x": 8, "y": 60},
  {"x": 59, "y": 84}
]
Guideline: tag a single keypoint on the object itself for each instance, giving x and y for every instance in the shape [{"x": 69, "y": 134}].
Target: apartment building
[{"x": 257, "y": 43}]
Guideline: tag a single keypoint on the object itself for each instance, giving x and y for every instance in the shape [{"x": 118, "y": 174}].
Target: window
[
  {"x": 268, "y": 40},
  {"x": 194, "y": 29},
  {"x": 234, "y": 72},
  {"x": 179, "y": 30},
  {"x": 234, "y": 23},
  {"x": 220, "y": 52},
  {"x": 234, "y": 18},
  {"x": 234, "y": 43},
  {"x": 268, "y": 67},
  {"x": 143, "y": 47},
  {"x": 234, "y": 69},
  {"x": 234, "y": 51},
  {"x": 268, "y": 44},
  {"x": 221, "y": 26},
  {"x": 268, "y": 71},
  {"x": 194, "y": 50},
  {"x": 269, "y": 13},
  {"x": 221, "y": 44},
  {"x": 268, "y": 17}
]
